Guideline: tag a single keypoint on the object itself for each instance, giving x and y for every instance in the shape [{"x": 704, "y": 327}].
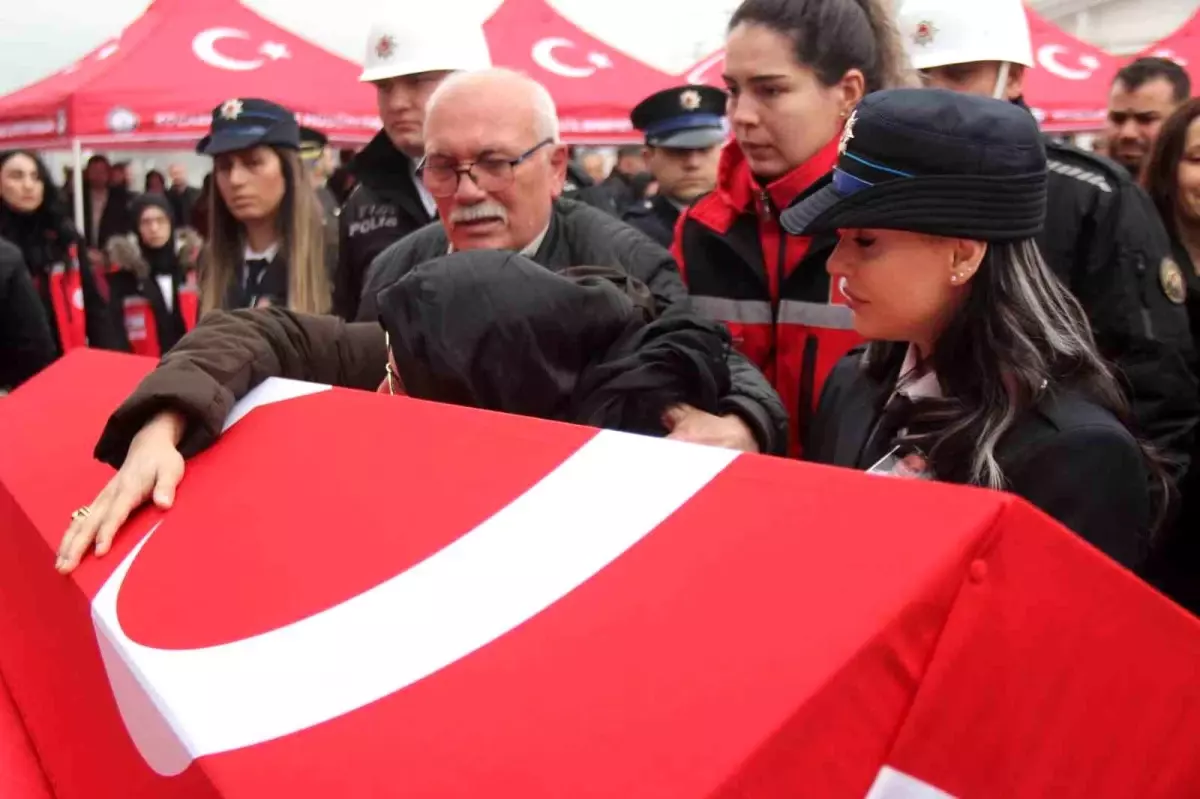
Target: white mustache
[{"x": 488, "y": 209}]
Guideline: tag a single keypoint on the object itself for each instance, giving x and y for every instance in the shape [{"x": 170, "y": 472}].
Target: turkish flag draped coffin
[{"x": 363, "y": 595}]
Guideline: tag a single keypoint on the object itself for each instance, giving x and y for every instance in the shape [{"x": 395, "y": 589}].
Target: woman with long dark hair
[
  {"x": 794, "y": 70},
  {"x": 980, "y": 367},
  {"x": 1172, "y": 179},
  {"x": 32, "y": 218},
  {"x": 266, "y": 244}
]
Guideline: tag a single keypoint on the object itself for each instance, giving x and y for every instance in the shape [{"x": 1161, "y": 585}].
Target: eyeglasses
[{"x": 442, "y": 176}]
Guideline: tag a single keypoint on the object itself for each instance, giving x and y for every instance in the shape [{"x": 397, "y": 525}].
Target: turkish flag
[{"x": 364, "y": 595}]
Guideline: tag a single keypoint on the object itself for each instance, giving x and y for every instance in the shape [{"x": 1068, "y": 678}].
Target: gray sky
[{"x": 38, "y": 38}]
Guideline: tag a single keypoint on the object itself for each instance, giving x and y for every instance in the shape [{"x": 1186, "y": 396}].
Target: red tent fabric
[
  {"x": 1067, "y": 90},
  {"x": 1182, "y": 46},
  {"x": 159, "y": 81},
  {"x": 594, "y": 85}
]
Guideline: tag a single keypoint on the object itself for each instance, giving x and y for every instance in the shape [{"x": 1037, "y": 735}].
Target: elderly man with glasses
[{"x": 496, "y": 169}]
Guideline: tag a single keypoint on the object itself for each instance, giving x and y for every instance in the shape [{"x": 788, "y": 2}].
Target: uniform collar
[
  {"x": 266, "y": 255},
  {"x": 914, "y": 385},
  {"x": 740, "y": 188}
]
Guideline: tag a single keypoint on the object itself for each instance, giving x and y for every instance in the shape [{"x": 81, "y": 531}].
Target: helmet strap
[{"x": 1001, "y": 81}]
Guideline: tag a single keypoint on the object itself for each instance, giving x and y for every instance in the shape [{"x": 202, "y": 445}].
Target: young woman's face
[
  {"x": 154, "y": 228},
  {"x": 1189, "y": 176},
  {"x": 780, "y": 112},
  {"x": 901, "y": 286},
  {"x": 251, "y": 183},
  {"x": 21, "y": 186}
]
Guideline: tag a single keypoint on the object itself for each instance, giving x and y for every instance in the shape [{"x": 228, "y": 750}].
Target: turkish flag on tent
[
  {"x": 1066, "y": 90},
  {"x": 159, "y": 81},
  {"x": 1182, "y": 46},
  {"x": 594, "y": 85}
]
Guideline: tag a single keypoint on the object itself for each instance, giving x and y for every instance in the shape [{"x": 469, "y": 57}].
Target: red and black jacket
[{"x": 771, "y": 289}]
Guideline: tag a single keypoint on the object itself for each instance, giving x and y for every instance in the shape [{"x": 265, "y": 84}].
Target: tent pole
[{"x": 77, "y": 183}]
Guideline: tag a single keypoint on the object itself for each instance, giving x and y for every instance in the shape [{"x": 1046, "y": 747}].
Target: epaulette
[{"x": 1085, "y": 167}]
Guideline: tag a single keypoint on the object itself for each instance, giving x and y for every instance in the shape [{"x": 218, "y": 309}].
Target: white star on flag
[{"x": 274, "y": 50}]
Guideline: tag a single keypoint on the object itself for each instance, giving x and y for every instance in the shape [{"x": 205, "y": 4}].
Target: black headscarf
[
  {"x": 162, "y": 260},
  {"x": 44, "y": 234}
]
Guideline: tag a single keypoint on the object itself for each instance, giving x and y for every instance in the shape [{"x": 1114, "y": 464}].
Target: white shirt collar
[
  {"x": 926, "y": 386},
  {"x": 426, "y": 198},
  {"x": 266, "y": 255}
]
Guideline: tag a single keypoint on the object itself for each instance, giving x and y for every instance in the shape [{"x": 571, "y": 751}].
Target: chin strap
[{"x": 1001, "y": 81}]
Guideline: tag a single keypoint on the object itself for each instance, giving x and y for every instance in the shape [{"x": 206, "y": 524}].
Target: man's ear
[{"x": 559, "y": 157}]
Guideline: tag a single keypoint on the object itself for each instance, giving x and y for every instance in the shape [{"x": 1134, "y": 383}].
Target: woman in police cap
[
  {"x": 980, "y": 367},
  {"x": 267, "y": 242}
]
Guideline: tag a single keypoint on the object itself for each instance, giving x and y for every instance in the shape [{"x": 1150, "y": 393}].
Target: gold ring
[{"x": 82, "y": 513}]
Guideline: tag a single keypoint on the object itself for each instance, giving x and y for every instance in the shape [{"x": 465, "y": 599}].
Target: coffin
[{"x": 364, "y": 595}]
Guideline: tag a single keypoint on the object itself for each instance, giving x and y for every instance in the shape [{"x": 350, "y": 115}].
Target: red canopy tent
[
  {"x": 1182, "y": 46},
  {"x": 159, "y": 80},
  {"x": 594, "y": 85},
  {"x": 1066, "y": 91}
]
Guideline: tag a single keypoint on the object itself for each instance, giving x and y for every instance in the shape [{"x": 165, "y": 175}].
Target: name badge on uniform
[{"x": 912, "y": 466}]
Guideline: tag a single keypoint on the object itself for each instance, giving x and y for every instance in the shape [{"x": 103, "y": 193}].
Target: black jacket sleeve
[
  {"x": 26, "y": 342},
  {"x": 752, "y": 397},
  {"x": 1105, "y": 241},
  {"x": 230, "y": 353}
]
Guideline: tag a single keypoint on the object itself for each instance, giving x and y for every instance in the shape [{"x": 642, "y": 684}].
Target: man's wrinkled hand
[{"x": 691, "y": 424}]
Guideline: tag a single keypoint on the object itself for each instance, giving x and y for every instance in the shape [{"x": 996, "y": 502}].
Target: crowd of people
[{"x": 886, "y": 267}]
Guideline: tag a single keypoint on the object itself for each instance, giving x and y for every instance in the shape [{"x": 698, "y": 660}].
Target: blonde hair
[{"x": 301, "y": 226}]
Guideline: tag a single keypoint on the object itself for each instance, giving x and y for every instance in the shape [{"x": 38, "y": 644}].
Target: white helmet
[
  {"x": 410, "y": 45},
  {"x": 939, "y": 33}
]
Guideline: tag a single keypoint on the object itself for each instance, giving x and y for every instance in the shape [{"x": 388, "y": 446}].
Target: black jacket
[
  {"x": 115, "y": 220},
  {"x": 1067, "y": 456},
  {"x": 26, "y": 342},
  {"x": 493, "y": 330},
  {"x": 580, "y": 235},
  {"x": 383, "y": 208},
  {"x": 656, "y": 218},
  {"x": 1104, "y": 240},
  {"x": 579, "y": 186}
]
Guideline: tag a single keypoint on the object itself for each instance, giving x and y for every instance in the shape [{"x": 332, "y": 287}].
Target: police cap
[
  {"x": 933, "y": 161},
  {"x": 239, "y": 124},
  {"x": 312, "y": 143},
  {"x": 685, "y": 118}
]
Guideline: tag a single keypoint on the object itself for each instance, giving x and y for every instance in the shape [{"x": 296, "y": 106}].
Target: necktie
[{"x": 894, "y": 418}]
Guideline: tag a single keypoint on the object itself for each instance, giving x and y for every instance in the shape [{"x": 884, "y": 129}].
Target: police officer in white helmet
[
  {"x": 407, "y": 57},
  {"x": 1102, "y": 237}
]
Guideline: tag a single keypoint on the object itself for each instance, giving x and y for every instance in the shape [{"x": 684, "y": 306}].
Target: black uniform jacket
[
  {"x": 1105, "y": 242},
  {"x": 656, "y": 218},
  {"x": 1067, "y": 456},
  {"x": 384, "y": 207}
]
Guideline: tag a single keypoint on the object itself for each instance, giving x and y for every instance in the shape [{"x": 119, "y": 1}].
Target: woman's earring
[{"x": 954, "y": 278}]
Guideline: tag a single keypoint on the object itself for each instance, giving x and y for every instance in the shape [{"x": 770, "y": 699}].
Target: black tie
[{"x": 892, "y": 420}]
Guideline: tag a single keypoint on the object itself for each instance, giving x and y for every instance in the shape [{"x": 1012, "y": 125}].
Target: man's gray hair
[{"x": 545, "y": 112}]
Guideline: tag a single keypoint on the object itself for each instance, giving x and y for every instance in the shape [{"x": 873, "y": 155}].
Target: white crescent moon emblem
[
  {"x": 182, "y": 704},
  {"x": 543, "y": 56},
  {"x": 1048, "y": 58},
  {"x": 204, "y": 46}
]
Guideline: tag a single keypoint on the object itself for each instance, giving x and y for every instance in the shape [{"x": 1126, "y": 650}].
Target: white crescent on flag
[{"x": 182, "y": 704}]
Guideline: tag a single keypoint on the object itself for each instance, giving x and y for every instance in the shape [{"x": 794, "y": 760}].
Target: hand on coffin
[
  {"x": 153, "y": 466},
  {"x": 691, "y": 424}
]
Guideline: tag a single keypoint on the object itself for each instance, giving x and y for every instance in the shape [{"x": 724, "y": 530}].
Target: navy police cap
[
  {"x": 248, "y": 122},
  {"x": 683, "y": 118},
  {"x": 932, "y": 161}
]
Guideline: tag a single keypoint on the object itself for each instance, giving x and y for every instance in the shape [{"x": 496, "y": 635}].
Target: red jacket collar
[{"x": 739, "y": 188}]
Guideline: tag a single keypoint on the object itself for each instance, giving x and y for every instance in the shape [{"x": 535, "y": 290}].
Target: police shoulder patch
[{"x": 1170, "y": 276}]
